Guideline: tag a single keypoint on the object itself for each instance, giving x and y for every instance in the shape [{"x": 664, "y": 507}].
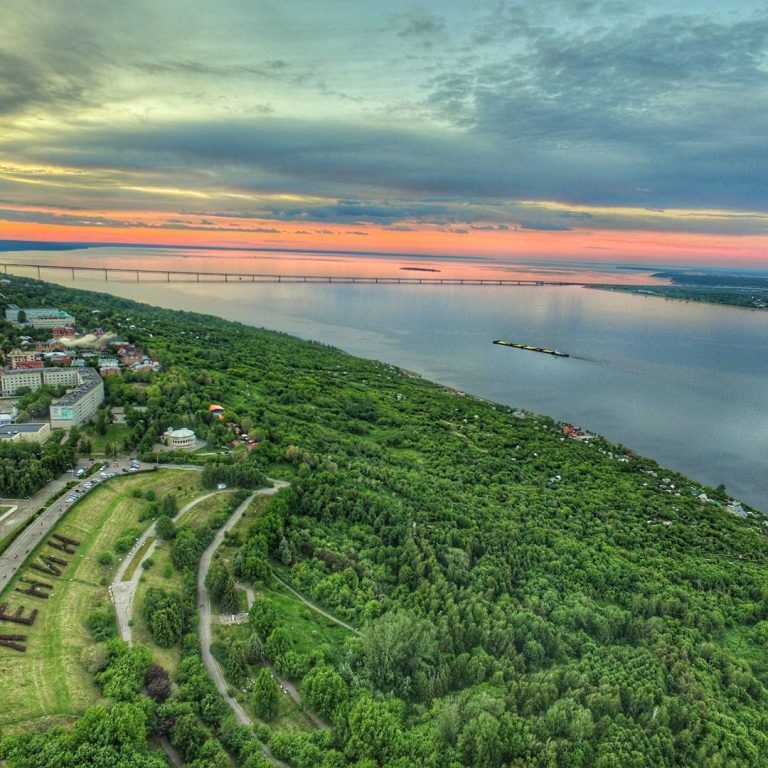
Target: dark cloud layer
[{"x": 454, "y": 116}]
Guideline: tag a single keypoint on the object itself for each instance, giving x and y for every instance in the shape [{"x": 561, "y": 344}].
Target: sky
[{"x": 574, "y": 129}]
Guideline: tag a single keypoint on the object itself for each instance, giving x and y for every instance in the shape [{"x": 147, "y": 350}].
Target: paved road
[
  {"x": 123, "y": 592},
  {"x": 316, "y": 608},
  {"x": 26, "y": 508},
  {"x": 13, "y": 557},
  {"x": 204, "y": 604}
]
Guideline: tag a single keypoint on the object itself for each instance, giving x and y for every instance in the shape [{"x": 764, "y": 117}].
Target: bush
[
  {"x": 106, "y": 558},
  {"x": 102, "y": 625},
  {"x": 165, "y": 616},
  {"x": 158, "y": 683}
]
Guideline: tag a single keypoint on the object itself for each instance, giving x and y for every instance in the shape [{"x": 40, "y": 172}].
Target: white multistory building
[
  {"x": 77, "y": 406},
  {"x": 39, "y": 317}
]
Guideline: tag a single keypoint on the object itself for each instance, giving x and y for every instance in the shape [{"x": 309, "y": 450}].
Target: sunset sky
[{"x": 554, "y": 129}]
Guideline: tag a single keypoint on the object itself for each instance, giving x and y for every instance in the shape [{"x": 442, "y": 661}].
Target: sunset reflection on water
[{"x": 215, "y": 263}]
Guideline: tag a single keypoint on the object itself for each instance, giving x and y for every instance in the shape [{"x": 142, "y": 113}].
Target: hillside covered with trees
[{"x": 524, "y": 599}]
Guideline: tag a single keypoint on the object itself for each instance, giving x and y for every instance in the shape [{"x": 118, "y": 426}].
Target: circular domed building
[{"x": 179, "y": 438}]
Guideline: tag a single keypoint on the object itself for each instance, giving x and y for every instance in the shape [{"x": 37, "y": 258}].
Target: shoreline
[
  {"x": 434, "y": 370},
  {"x": 724, "y": 297}
]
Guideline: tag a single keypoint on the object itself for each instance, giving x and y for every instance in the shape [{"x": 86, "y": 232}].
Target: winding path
[
  {"x": 204, "y": 604},
  {"x": 316, "y": 608},
  {"x": 124, "y": 592},
  {"x": 286, "y": 685}
]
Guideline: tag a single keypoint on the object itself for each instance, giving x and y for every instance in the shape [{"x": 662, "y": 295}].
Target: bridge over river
[{"x": 133, "y": 274}]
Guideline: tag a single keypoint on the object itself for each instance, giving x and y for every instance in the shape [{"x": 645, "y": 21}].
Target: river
[{"x": 681, "y": 382}]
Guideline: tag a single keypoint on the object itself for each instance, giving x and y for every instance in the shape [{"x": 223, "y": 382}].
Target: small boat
[{"x": 544, "y": 350}]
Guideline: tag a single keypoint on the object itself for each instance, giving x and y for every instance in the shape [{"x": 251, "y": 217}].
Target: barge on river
[{"x": 555, "y": 352}]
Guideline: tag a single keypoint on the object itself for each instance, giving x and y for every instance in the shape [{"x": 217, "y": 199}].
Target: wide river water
[{"x": 684, "y": 383}]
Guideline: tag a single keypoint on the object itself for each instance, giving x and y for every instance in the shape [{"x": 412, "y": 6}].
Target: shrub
[
  {"x": 101, "y": 624},
  {"x": 106, "y": 558},
  {"x": 158, "y": 683}
]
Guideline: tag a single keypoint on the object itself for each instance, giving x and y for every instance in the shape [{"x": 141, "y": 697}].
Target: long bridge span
[{"x": 140, "y": 275}]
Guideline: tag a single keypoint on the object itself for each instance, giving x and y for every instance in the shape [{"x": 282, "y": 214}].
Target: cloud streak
[{"x": 479, "y": 121}]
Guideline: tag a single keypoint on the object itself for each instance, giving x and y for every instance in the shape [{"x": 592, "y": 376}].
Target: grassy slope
[
  {"x": 201, "y": 514},
  {"x": 50, "y": 678}
]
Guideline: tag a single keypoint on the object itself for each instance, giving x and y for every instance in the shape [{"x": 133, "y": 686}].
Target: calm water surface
[{"x": 684, "y": 383}]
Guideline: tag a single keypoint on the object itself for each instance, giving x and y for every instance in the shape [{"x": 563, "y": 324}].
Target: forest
[{"x": 523, "y": 599}]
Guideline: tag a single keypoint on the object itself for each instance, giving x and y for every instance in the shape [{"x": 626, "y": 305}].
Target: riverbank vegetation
[{"x": 524, "y": 599}]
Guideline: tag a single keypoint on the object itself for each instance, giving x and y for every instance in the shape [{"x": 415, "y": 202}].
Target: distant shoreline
[{"x": 729, "y": 296}]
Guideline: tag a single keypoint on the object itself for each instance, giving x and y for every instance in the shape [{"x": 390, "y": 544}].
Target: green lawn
[
  {"x": 128, "y": 575},
  {"x": 168, "y": 658},
  {"x": 51, "y": 678},
  {"x": 203, "y": 513},
  {"x": 309, "y": 630},
  {"x": 3, "y": 509},
  {"x": 238, "y": 532},
  {"x": 116, "y": 435}
]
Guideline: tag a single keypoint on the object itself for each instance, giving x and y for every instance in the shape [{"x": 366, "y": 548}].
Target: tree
[
  {"x": 188, "y": 736},
  {"x": 278, "y": 642},
  {"x": 235, "y": 665},
  {"x": 285, "y": 552},
  {"x": 121, "y": 724},
  {"x": 399, "y": 652},
  {"x": 165, "y": 528},
  {"x": 158, "y": 683},
  {"x": 123, "y": 675},
  {"x": 255, "y": 649},
  {"x": 262, "y": 617},
  {"x": 373, "y": 731},
  {"x": 169, "y": 506},
  {"x": 265, "y": 696},
  {"x": 221, "y": 584},
  {"x": 186, "y": 549},
  {"x": 480, "y": 742},
  {"x": 165, "y": 616},
  {"x": 228, "y": 599},
  {"x": 324, "y": 690}
]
